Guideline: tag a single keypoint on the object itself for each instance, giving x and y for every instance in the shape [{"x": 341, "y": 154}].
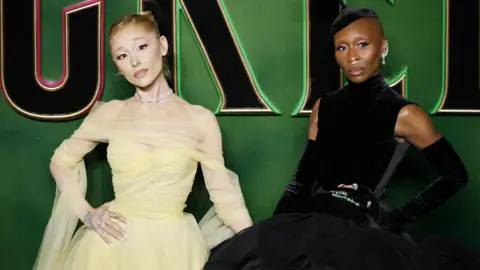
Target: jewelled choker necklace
[{"x": 154, "y": 100}]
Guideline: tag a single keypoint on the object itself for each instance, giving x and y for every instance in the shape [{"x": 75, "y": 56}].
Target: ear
[
  {"x": 163, "y": 46},
  {"x": 384, "y": 47}
]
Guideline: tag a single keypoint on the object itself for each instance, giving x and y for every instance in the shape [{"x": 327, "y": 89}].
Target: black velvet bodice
[{"x": 356, "y": 136}]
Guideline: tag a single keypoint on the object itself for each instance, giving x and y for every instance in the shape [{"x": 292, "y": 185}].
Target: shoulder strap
[{"x": 392, "y": 166}]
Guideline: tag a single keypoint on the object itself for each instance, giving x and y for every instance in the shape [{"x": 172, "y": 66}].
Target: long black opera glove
[
  {"x": 301, "y": 185},
  {"x": 452, "y": 177}
]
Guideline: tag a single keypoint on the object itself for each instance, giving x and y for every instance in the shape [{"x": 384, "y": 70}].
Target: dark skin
[{"x": 359, "y": 48}]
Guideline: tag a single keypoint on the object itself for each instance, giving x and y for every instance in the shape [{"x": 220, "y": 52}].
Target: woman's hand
[{"x": 102, "y": 221}]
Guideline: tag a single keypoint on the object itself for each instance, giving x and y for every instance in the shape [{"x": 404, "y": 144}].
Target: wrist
[
  {"x": 81, "y": 209},
  {"x": 240, "y": 226},
  {"x": 242, "y": 221}
]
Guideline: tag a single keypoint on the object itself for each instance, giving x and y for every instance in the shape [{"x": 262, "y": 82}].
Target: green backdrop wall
[{"x": 262, "y": 149}]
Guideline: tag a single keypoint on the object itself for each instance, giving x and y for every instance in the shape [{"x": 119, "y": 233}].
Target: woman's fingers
[
  {"x": 104, "y": 236},
  {"x": 119, "y": 217},
  {"x": 106, "y": 227},
  {"x": 120, "y": 233},
  {"x": 113, "y": 233}
]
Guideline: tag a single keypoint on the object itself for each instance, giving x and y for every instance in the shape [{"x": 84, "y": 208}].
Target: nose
[
  {"x": 134, "y": 61},
  {"x": 352, "y": 56}
]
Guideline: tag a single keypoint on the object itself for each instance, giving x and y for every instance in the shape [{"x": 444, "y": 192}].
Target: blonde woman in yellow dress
[{"x": 156, "y": 140}]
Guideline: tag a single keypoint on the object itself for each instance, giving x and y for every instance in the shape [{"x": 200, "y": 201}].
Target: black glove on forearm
[
  {"x": 452, "y": 177},
  {"x": 302, "y": 182}
]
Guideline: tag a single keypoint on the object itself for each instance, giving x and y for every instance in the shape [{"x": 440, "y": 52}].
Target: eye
[
  {"x": 121, "y": 56},
  {"x": 363, "y": 44},
  {"x": 341, "y": 48},
  {"x": 143, "y": 46}
]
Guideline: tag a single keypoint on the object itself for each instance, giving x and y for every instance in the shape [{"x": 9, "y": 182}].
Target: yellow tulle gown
[{"x": 153, "y": 152}]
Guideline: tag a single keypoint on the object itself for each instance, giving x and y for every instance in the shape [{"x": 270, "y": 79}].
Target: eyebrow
[
  {"x": 135, "y": 39},
  {"x": 356, "y": 38}
]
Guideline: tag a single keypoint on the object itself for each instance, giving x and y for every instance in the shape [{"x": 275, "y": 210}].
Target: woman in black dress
[{"x": 331, "y": 215}]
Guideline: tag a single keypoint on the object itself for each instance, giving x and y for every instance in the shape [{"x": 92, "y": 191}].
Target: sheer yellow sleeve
[
  {"x": 68, "y": 170},
  {"x": 222, "y": 184}
]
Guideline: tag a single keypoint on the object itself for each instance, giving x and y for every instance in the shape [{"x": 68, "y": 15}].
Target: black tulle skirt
[{"x": 325, "y": 241}]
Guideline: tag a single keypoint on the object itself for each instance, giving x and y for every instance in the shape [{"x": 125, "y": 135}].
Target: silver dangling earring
[{"x": 384, "y": 55}]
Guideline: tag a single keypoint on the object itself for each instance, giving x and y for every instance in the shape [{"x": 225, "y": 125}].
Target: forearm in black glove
[
  {"x": 300, "y": 186},
  {"x": 452, "y": 177}
]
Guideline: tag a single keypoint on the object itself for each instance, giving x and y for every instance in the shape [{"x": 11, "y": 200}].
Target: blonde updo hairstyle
[{"x": 144, "y": 19}]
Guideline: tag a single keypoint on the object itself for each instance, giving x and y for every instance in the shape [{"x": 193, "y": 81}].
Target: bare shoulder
[
  {"x": 180, "y": 101},
  {"x": 205, "y": 122},
  {"x": 192, "y": 109},
  {"x": 111, "y": 103},
  {"x": 411, "y": 116},
  {"x": 202, "y": 114},
  {"x": 107, "y": 108},
  {"x": 415, "y": 125}
]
